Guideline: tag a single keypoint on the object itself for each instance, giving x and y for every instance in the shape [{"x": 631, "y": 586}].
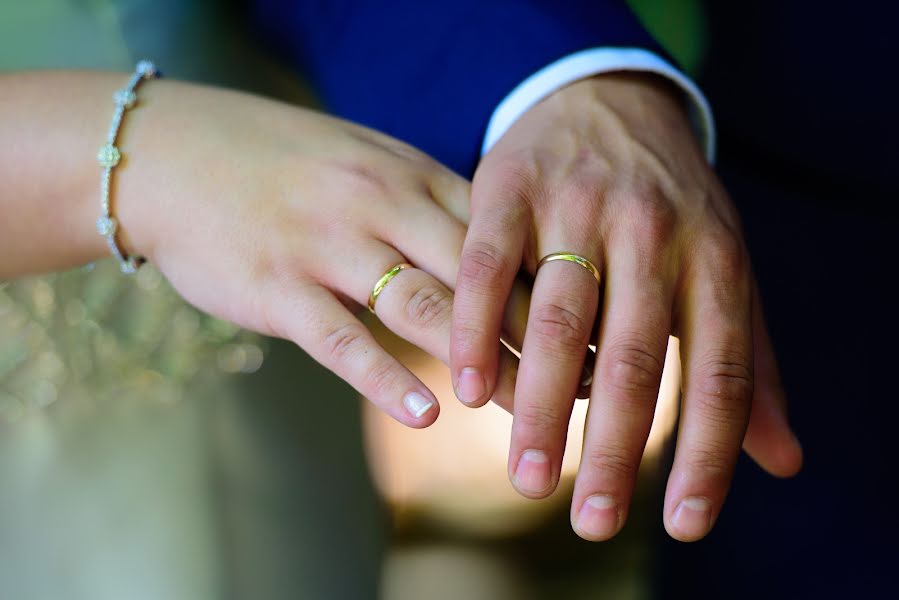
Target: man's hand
[{"x": 609, "y": 169}]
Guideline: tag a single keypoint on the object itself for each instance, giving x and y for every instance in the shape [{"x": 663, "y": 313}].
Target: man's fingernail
[
  {"x": 598, "y": 517},
  {"x": 532, "y": 475},
  {"x": 417, "y": 404},
  {"x": 692, "y": 517},
  {"x": 471, "y": 386}
]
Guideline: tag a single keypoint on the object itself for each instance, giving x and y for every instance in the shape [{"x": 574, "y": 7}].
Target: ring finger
[{"x": 414, "y": 305}]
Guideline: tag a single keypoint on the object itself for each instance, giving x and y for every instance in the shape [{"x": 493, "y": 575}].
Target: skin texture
[
  {"x": 608, "y": 168},
  {"x": 273, "y": 217}
]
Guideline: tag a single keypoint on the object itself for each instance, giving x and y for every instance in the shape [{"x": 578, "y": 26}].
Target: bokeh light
[{"x": 88, "y": 337}]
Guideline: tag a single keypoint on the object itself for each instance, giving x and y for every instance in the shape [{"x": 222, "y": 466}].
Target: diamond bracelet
[{"x": 109, "y": 156}]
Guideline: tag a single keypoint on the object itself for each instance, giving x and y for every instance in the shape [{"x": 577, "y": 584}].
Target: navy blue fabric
[
  {"x": 812, "y": 87},
  {"x": 431, "y": 72}
]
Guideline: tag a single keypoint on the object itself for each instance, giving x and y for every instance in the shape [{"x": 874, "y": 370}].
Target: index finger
[{"x": 491, "y": 257}]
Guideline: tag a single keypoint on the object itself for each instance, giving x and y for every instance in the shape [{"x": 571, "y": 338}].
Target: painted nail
[
  {"x": 598, "y": 517},
  {"x": 532, "y": 475},
  {"x": 417, "y": 404},
  {"x": 471, "y": 386},
  {"x": 692, "y": 517}
]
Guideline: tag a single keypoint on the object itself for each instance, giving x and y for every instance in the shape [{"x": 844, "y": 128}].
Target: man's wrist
[{"x": 592, "y": 62}]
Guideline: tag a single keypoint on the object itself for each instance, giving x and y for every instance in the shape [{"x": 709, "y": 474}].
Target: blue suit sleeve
[{"x": 431, "y": 72}]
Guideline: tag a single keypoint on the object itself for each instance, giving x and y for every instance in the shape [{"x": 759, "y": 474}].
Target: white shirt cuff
[{"x": 587, "y": 63}]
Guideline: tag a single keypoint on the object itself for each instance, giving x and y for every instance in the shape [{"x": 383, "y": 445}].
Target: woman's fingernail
[
  {"x": 417, "y": 404},
  {"x": 471, "y": 386},
  {"x": 598, "y": 517},
  {"x": 532, "y": 475},
  {"x": 692, "y": 517}
]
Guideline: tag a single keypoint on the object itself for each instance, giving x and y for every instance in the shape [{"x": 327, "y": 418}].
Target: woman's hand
[
  {"x": 276, "y": 218},
  {"x": 282, "y": 220}
]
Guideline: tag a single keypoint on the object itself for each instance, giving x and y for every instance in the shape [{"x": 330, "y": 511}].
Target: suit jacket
[
  {"x": 432, "y": 72},
  {"x": 794, "y": 81}
]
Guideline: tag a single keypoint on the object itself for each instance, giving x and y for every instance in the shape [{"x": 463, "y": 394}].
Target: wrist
[
  {"x": 631, "y": 93},
  {"x": 651, "y": 108},
  {"x": 139, "y": 189}
]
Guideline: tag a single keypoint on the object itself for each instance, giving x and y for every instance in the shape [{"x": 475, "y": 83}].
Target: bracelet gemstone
[{"x": 109, "y": 156}]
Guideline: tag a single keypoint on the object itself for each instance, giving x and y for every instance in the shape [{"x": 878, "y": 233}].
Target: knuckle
[
  {"x": 272, "y": 266},
  {"x": 469, "y": 339},
  {"x": 611, "y": 462},
  {"x": 579, "y": 194},
  {"x": 710, "y": 462},
  {"x": 650, "y": 220},
  {"x": 410, "y": 154},
  {"x": 346, "y": 341},
  {"x": 559, "y": 327},
  {"x": 396, "y": 148},
  {"x": 582, "y": 190},
  {"x": 724, "y": 256},
  {"x": 484, "y": 263},
  {"x": 725, "y": 386},
  {"x": 349, "y": 343},
  {"x": 631, "y": 367},
  {"x": 380, "y": 378},
  {"x": 429, "y": 305},
  {"x": 517, "y": 170},
  {"x": 541, "y": 417},
  {"x": 277, "y": 317},
  {"x": 512, "y": 182},
  {"x": 362, "y": 180}
]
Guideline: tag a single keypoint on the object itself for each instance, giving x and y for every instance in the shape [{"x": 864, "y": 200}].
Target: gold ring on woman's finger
[{"x": 382, "y": 283}]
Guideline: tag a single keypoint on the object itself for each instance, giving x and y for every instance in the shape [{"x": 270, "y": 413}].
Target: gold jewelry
[
  {"x": 382, "y": 283},
  {"x": 575, "y": 258}
]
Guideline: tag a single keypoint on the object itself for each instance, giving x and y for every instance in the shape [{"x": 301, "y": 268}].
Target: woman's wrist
[
  {"x": 138, "y": 187},
  {"x": 179, "y": 159}
]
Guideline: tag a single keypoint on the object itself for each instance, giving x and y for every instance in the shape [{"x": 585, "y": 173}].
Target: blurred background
[{"x": 150, "y": 451}]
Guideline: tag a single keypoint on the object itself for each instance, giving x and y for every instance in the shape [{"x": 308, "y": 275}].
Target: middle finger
[{"x": 560, "y": 319}]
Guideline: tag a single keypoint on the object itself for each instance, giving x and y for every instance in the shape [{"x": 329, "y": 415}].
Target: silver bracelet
[{"x": 109, "y": 156}]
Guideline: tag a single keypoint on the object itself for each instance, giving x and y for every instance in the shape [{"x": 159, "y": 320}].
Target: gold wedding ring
[
  {"x": 382, "y": 283},
  {"x": 575, "y": 258}
]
